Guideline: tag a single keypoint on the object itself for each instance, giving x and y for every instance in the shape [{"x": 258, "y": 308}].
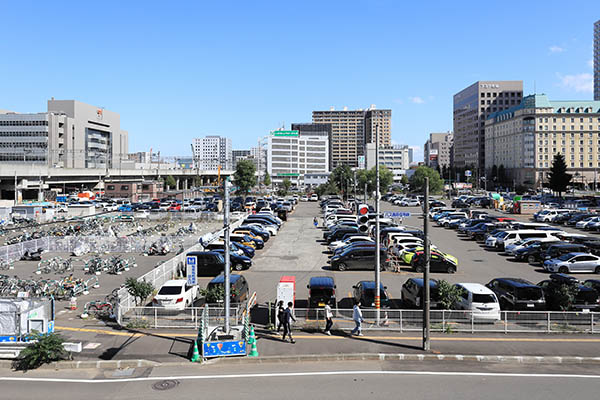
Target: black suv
[
  {"x": 412, "y": 293},
  {"x": 208, "y": 262},
  {"x": 364, "y": 291},
  {"x": 557, "y": 250},
  {"x": 339, "y": 232},
  {"x": 321, "y": 291},
  {"x": 518, "y": 294},
  {"x": 535, "y": 253},
  {"x": 585, "y": 299},
  {"x": 357, "y": 258}
]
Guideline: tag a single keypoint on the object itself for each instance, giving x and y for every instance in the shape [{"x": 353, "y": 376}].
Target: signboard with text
[{"x": 191, "y": 270}]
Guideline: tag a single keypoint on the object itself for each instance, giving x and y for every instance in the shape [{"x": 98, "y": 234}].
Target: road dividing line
[{"x": 302, "y": 374}]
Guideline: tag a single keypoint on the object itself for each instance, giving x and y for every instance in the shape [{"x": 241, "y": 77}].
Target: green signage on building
[
  {"x": 285, "y": 133},
  {"x": 288, "y": 174}
]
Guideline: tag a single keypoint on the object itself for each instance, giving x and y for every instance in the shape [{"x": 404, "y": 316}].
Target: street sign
[
  {"x": 467, "y": 173},
  {"x": 191, "y": 271},
  {"x": 395, "y": 214}
]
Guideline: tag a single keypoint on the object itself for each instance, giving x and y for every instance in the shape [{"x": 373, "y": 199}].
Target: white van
[
  {"x": 480, "y": 300},
  {"x": 550, "y": 214},
  {"x": 509, "y": 237}
]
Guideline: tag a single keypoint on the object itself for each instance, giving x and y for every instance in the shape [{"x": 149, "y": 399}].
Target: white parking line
[{"x": 301, "y": 374}]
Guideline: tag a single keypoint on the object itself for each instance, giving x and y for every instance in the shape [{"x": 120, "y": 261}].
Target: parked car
[
  {"x": 534, "y": 253},
  {"x": 438, "y": 262},
  {"x": 573, "y": 262},
  {"x": 175, "y": 294},
  {"x": 236, "y": 261},
  {"x": 480, "y": 300},
  {"x": 518, "y": 294},
  {"x": 412, "y": 293},
  {"x": 238, "y": 287},
  {"x": 321, "y": 291},
  {"x": 558, "y": 249},
  {"x": 208, "y": 262},
  {"x": 586, "y": 298},
  {"x": 364, "y": 291},
  {"x": 356, "y": 258}
]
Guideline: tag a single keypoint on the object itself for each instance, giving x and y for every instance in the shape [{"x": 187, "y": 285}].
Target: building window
[
  {"x": 110, "y": 187},
  {"x": 124, "y": 187}
]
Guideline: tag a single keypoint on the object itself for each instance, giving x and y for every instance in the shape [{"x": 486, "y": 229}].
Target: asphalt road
[{"x": 295, "y": 381}]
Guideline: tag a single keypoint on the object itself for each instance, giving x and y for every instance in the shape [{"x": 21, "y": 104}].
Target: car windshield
[
  {"x": 483, "y": 298},
  {"x": 529, "y": 293},
  {"x": 170, "y": 290},
  {"x": 565, "y": 257}
]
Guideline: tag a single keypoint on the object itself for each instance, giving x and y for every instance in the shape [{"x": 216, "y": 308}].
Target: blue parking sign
[{"x": 191, "y": 271}]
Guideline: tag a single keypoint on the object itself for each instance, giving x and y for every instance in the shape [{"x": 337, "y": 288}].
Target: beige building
[
  {"x": 525, "y": 138},
  {"x": 438, "y": 150},
  {"x": 472, "y": 106},
  {"x": 352, "y": 129}
]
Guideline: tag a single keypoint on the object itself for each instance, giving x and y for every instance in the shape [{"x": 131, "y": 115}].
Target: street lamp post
[{"x": 377, "y": 238}]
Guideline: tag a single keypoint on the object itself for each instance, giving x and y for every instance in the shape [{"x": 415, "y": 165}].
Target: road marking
[
  {"x": 302, "y": 374},
  {"x": 334, "y": 337}
]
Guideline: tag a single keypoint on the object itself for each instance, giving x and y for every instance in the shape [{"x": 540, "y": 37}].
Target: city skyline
[{"x": 194, "y": 71}]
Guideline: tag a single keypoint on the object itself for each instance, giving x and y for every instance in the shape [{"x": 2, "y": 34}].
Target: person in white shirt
[
  {"x": 328, "y": 319},
  {"x": 358, "y": 319}
]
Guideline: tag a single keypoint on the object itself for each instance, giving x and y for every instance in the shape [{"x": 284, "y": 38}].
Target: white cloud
[
  {"x": 579, "y": 82},
  {"x": 556, "y": 49},
  {"x": 417, "y": 100}
]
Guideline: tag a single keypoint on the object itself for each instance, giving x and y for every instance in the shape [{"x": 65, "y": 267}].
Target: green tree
[
  {"x": 244, "y": 175},
  {"x": 449, "y": 294},
  {"x": 267, "y": 179},
  {"x": 559, "y": 179},
  {"x": 44, "y": 349},
  {"x": 386, "y": 178},
  {"x": 170, "y": 182},
  {"x": 326, "y": 188},
  {"x": 560, "y": 296},
  {"x": 417, "y": 180},
  {"x": 343, "y": 178},
  {"x": 140, "y": 290},
  {"x": 287, "y": 184},
  {"x": 404, "y": 180}
]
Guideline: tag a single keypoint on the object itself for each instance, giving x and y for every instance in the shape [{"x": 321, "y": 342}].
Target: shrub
[
  {"x": 139, "y": 290},
  {"x": 449, "y": 294},
  {"x": 44, "y": 350}
]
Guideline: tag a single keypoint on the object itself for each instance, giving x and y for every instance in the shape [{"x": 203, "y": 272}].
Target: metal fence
[
  {"x": 456, "y": 321},
  {"x": 170, "y": 269},
  {"x": 191, "y": 317}
]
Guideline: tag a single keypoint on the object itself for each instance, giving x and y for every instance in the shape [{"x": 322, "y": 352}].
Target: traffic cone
[
  {"x": 196, "y": 354},
  {"x": 252, "y": 340}
]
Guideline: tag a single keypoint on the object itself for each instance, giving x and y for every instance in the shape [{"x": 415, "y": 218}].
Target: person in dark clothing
[
  {"x": 288, "y": 317},
  {"x": 280, "y": 314}
]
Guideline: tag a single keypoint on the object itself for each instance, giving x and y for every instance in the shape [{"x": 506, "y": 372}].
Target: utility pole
[
  {"x": 16, "y": 190},
  {"x": 426, "y": 254},
  {"x": 377, "y": 238},
  {"x": 366, "y": 193},
  {"x": 227, "y": 244}
]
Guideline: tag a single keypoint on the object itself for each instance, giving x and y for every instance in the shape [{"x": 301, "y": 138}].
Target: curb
[{"x": 120, "y": 364}]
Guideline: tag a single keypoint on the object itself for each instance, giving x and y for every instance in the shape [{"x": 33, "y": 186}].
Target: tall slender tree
[{"x": 559, "y": 179}]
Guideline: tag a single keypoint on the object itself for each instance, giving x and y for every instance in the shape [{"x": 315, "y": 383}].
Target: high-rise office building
[
  {"x": 351, "y": 130},
  {"x": 597, "y": 60},
  {"x": 438, "y": 149},
  {"x": 472, "y": 106},
  {"x": 238, "y": 155},
  {"x": 70, "y": 135},
  {"x": 212, "y": 152},
  {"x": 292, "y": 154}
]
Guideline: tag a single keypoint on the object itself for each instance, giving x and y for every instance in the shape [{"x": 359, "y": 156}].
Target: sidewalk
[{"x": 103, "y": 343}]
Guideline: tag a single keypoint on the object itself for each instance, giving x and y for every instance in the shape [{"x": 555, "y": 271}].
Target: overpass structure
[{"x": 40, "y": 177}]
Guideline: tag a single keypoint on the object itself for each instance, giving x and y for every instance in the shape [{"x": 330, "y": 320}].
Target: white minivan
[
  {"x": 480, "y": 300},
  {"x": 509, "y": 237}
]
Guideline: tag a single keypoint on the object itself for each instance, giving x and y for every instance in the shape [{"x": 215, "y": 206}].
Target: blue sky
[{"x": 177, "y": 70}]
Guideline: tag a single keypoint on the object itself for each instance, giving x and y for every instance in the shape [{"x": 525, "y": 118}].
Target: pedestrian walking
[
  {"x": 315, "y": 222},
  {"x": 288, "y": 316},
  {"x": 358, "y": 319},
  {"x": 328, "y": 319},
  {"x": 280, "y": 314}
]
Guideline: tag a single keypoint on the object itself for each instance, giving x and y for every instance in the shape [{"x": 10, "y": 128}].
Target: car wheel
[
  {"x": 597, "y": 270},
  {"x": 451, "y": 269},
  {"x": 563, "y": 270},
  {"x": 342, "y": 267},
  {"x": 238, "y": 267},
  {"x": 531, "y": 260}
]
